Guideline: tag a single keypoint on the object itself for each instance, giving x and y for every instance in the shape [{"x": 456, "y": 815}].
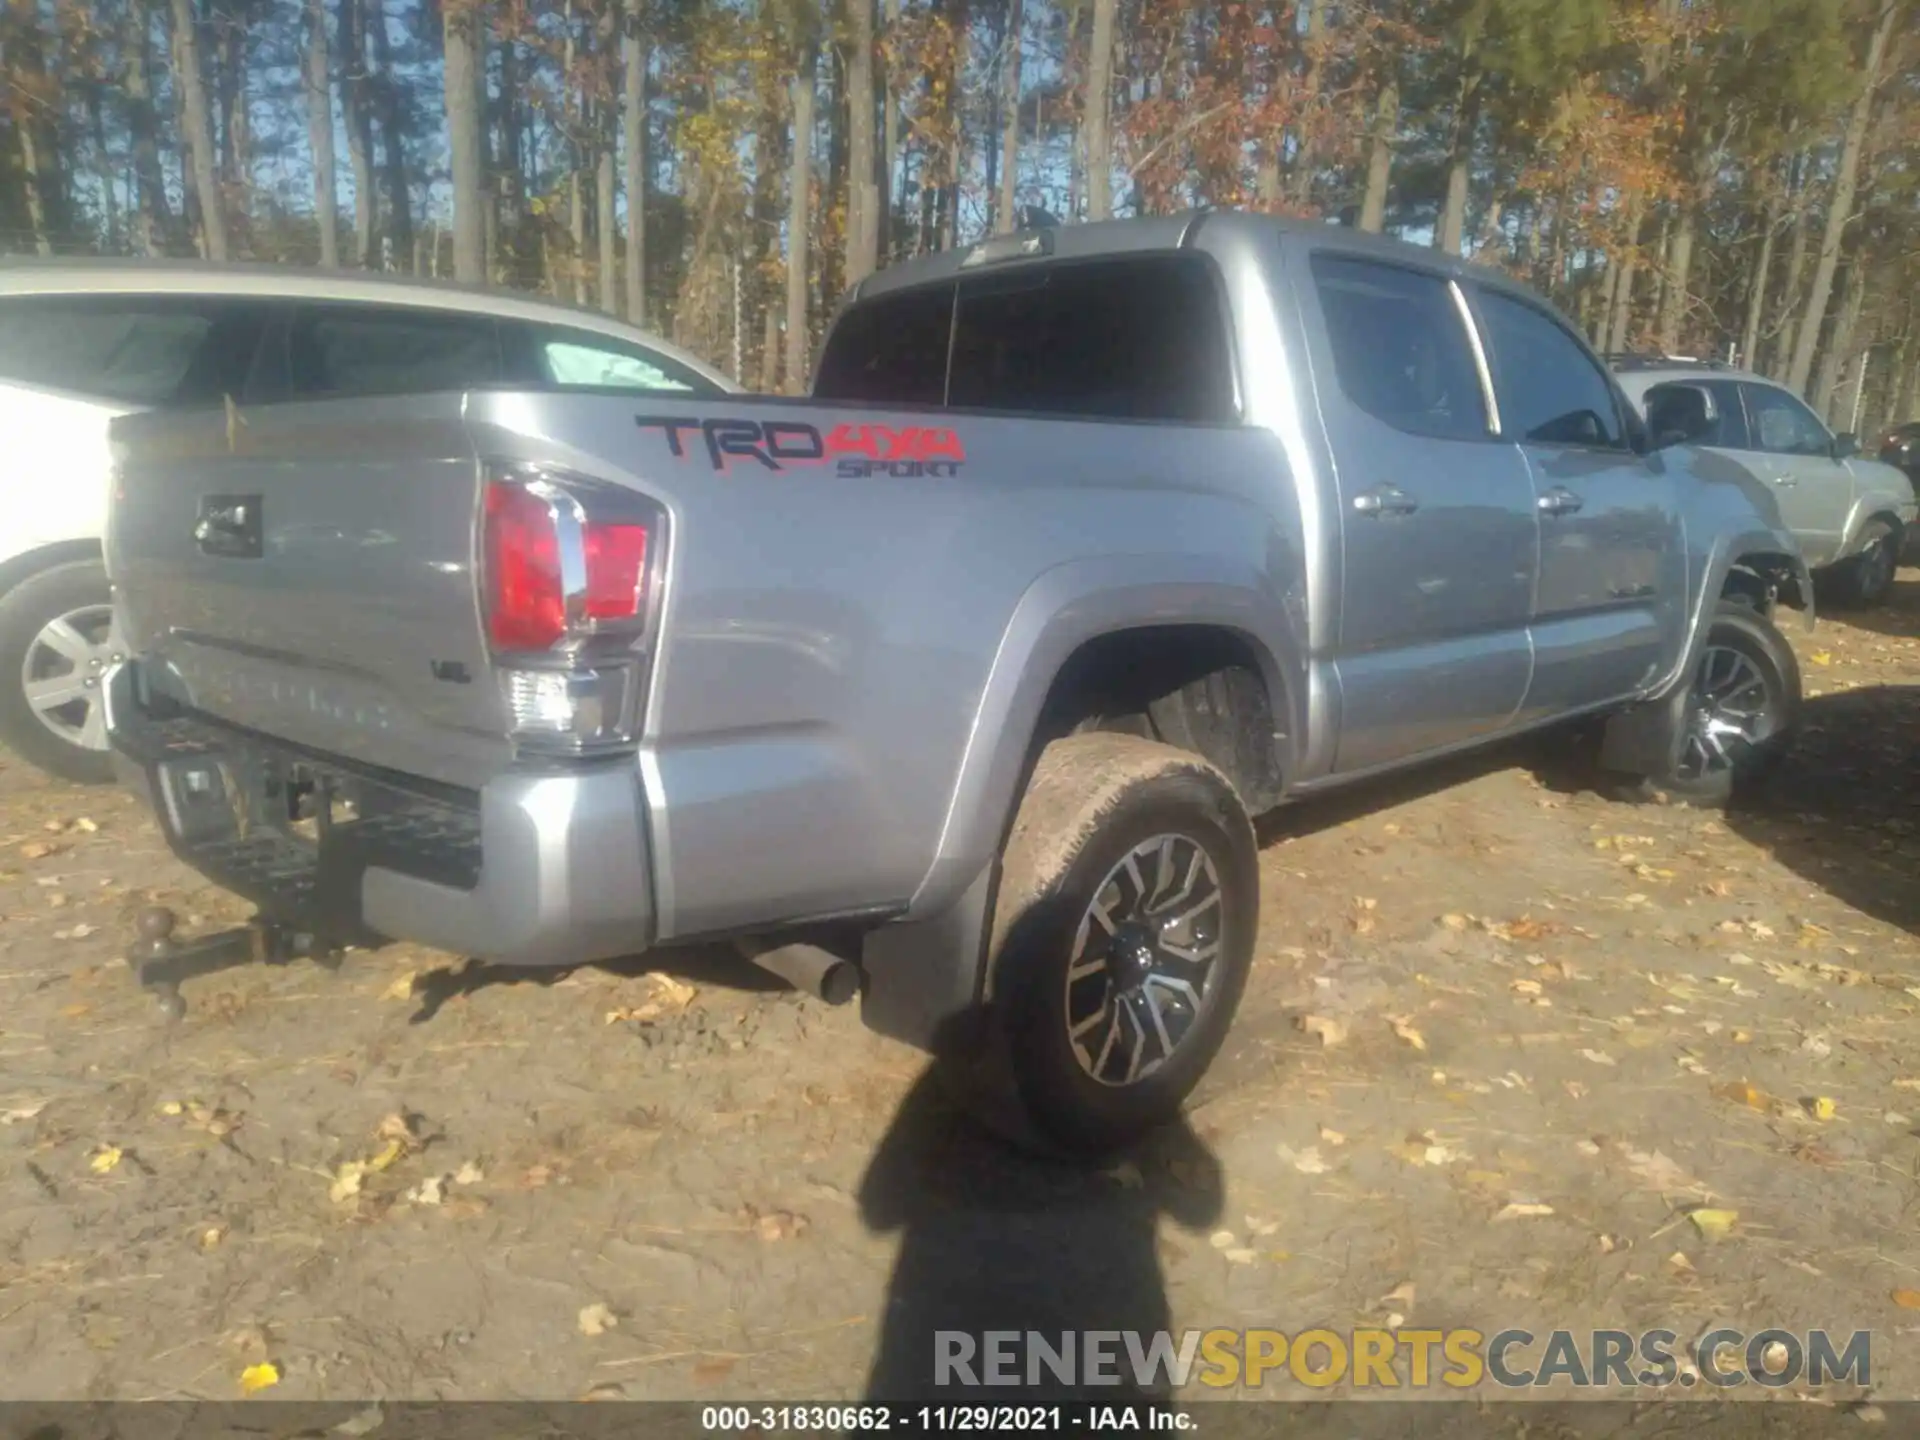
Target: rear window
[
  {"x": 570, "y": 359},
  {"x": 382, "y": 350},
  {"x": 134, "y": 350},
  {"x": 891, "y": 351},
  {"x": 1140, "y": 338},
  {"x": 1132, "y": 338}
]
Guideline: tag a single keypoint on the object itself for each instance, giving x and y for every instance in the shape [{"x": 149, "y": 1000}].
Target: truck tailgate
[{"x": 307, "y": 571}]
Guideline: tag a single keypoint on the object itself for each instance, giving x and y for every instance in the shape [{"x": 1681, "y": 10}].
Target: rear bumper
[{"x": 536, "y": 868}]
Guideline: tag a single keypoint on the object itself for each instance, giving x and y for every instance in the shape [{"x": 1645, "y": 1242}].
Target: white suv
[
  {"x": 1850, "y": 512},
  {"x": 82, "y": 342}
]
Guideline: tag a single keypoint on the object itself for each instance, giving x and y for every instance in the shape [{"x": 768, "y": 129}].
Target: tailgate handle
[{"x": 230, "y": 525}]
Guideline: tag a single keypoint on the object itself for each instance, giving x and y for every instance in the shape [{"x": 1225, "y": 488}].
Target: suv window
[
  {"x": 1707, "y": 412},
  {"x": 1551, "y": 391},
  {"x": 1784, "y": 426},
  {"x": 1400, "y": 349},
  {"x": 146, "y": 350},
  {"x": 389, "y": 350},
  {"x": 1136, "y": 338},
  {"x": 891, "y": 350},
  {"x": 570, "y": 358}
]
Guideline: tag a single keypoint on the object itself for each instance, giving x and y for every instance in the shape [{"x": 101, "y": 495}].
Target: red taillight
[
  {"x": 526, "y": 604},
  {"x": 616, "y": 569}
]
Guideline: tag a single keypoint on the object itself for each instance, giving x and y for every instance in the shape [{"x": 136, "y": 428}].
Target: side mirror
[{"x": 1845, "y": 447}]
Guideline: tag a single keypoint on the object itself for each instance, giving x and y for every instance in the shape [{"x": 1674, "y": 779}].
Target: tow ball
[{"x": 161, "y": 963}]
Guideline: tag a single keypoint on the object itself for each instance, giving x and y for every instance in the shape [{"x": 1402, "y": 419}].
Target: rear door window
[
  {"x": 1703, "y": 412},
  {"x": 389, "y": 350},
  {"x": 891, "y": 350},
  {"x": 139, "y": 350},
  {"x": 1401, "y": 351},
  {"x": 1132, "y": 338}
]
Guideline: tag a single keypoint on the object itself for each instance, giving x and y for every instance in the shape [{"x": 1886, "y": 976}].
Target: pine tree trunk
[
  {"x": 1619, "y": 328},
  {"x": 603, "y": 222},
  {"x": 319, "y": 77},
  {"x": 394, "y": 135},
  {"x": 1757, "y": 287},
  {"x": 1098, "y": 119},
  {"x": 353, "y": 91},
  {"x": 1600, "y": 328},
  {"x": 156, "y": 215},
  {"x": 462, "y": 21},
  {"x": 1664, "y": 249},
  {"x": 1791, "y": 294},
  {"x": 199, "y": 127},
  {"x": 1451, "y": 233},
  {"x": 1673, "y": 306},
  {"x": 863, "y": 187},
  {"x": 799, "y": 217},
  {"x": 1006, "y": 205},
  {"x": 1845, "y": 185},
  {"x": 1386, "y": 127},
  {"x": 1837, "y": 360},
  {"x": 103, "y": 167},
  {"x": 1305, "y": 155},
  {"x": 891, "y": 163},
  {"x": 633, "y": 127}
]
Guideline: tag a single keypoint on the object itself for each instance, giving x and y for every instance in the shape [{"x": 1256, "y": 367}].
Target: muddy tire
[
  {"x": 1123, "y": 933},
  {"x": 1737, "y": 715},
  {"x": 53, "y": 630},
  {"x": 1865, "y": 580}
]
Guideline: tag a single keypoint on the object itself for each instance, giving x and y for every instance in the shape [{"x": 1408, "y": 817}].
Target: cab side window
[
  {"x": 1550, "y": 390},
  {"x": 1784, "y": 426},
  {"x": 1400, "y": 349},
  {"x": 582, "y": 359},
  {"x": 344, "y": 349},
  {"x": 142, "y": 350}
]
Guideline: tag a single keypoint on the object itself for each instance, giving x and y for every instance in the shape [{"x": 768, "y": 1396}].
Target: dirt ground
[{"x": 1503, "y": 1035}]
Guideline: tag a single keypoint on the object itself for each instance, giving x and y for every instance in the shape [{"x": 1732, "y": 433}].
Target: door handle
[
  {"x": 1785, "y": 482},
  {"x": 229, "y": 525},
  {"x": 1560, "y": 501},
  {"x": 1385, "y": 500}
]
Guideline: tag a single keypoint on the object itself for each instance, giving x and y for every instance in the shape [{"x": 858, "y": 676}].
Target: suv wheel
[
  {"x": 1123, "y": 934},
  {"x": 1865, "y": 579},
  {"x": 1740, "y": 711},
  {"x": 56, "y": 641}
]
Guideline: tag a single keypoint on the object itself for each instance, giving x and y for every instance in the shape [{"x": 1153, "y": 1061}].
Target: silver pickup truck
[{"x": 958, "y": 682}]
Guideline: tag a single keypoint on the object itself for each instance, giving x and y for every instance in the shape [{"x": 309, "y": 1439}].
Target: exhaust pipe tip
[{"x": 819, "y": 972}]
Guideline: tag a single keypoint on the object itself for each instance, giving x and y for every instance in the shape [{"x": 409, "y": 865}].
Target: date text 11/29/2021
[{"x": 917, "y": 1419}]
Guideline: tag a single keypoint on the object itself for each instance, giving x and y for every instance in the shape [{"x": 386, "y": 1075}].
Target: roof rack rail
[{"x": 1621, "y": 360}]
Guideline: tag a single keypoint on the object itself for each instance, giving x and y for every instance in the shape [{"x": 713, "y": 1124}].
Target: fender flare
[{"x": 1059, "y": 612}]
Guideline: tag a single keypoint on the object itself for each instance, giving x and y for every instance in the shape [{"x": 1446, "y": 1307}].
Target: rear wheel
[
  {"x": 1864, "y": 580},
  {"x": 1123, "y": 935},
  {"x": 56, "y": 642}
]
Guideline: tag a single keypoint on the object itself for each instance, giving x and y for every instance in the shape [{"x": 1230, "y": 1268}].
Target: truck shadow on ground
[
  {"x": 705, "y": 965},
  {"x": 1897, "y": 616},
  {"x": 1842, "y": 811}
]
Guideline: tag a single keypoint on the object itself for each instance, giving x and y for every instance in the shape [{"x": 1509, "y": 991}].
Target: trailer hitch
[{"x": 161, "y": 963}]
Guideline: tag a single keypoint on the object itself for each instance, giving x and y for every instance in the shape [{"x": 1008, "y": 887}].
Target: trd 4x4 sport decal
[{"x": 857, "y": 451}]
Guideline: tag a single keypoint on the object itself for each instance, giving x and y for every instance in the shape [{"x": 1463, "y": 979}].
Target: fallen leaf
[
  {"x": 1307, "y": 1161},
  {"x": 1401, "y": 1295},
  {"x": 364, "y": 1423},
  {"x": 1403, "y": 1027},
  {"x": 1241, "y": 1255},
  {"x": 104, "y": 1159},
  {"x": 1907, "y": 1299},
  {"x": 1455, "y": 922},
  {"x": 1525, "y": 987},
  {"x": 1821, "y": 657},
  {"x": 1523, "y": 1210},
  {"x": 389, "y": 1153},
  {"x": 259, "y": 1377},
  {"x": 1330, "y": 1031},
  {"x": 1598, "y": 1057},
  {"x": 1332, "y": 1137},
  {"x": 401, "y": 988},
  {"x": 1678, "y": 1260},
  {"x": 400, "y": 1128},
  {"x": 431, "y": 1191},
  {"x": 22, "y": 1113},
  {"x": 1821, "y": 1107},
  {"x": 1741, "y": 1092},
  {"x": 1656, "y": 1170},
  {"x": 37, "y": 850},
  {"x": 346, "y": 1181},
  {"x": 713, "y": 1369},
  {"x": 1610, "y": 1243},
  {"x": 780, "y": 1225},
  {"x": 85, "y": 825},
  {"x": 469, "y": 1174},
  {"x": 673, "y": 993},
  {"x": 597, "y": 1319},
  {"x": 1714, "y": 1224},
  {"x": 212, "y": 1236},
  {"x": 1223, "y": 1239}
]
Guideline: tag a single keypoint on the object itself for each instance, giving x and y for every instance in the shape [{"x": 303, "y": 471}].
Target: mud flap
[
  {"x": 1646, "y": 739},
  {"x": 922, "y": 978}
]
